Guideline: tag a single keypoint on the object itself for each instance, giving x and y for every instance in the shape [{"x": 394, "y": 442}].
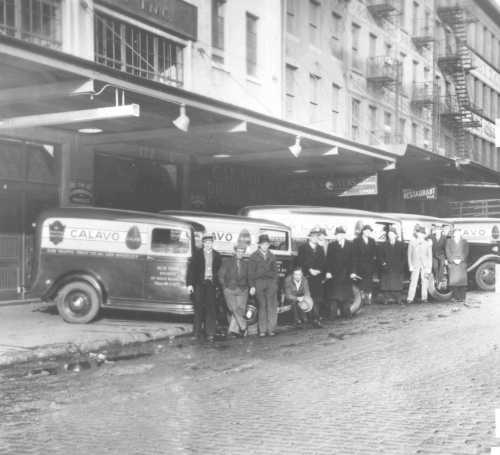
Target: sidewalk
[{"x": 34, "y": 331}]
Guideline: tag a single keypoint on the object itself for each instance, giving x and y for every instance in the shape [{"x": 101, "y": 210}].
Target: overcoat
[
  {"x": 339, "y": 264},
  {"x": 312, "y": 258},
  {"x": 364, "y": 262},
  {"x": 457, "y": 272},
  {"x": 392, "y": 266},
  {"x": 196, "y": 269}
]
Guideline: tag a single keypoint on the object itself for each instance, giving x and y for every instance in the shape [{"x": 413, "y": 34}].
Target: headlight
[{"x": 495, "y": 249}]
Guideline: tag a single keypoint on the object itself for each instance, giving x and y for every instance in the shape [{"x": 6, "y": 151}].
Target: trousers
[
  {"x": 424, "y": 285},
  {"x": 236, "y": 301},
  {"x": 266, "y": 293},
  {"x": 205, "y": 309}
]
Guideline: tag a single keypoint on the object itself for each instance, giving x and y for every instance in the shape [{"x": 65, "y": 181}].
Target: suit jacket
[
  {"x": 309, "y": 258},
  {"x": 196, "y": 269},
  {"x": 260, "y": 268},
  {"x": 339, "y": 261},
  {"x": 291, "y": 291},
  {"x": 392, "y": 261},
  {"x": 420, "y": 255},
  {"x": 439, "y": 247},
  {"x": 457, "y": 272},
  {"x": 364, "y": 257},
  {"x": 230, "y": 278}
]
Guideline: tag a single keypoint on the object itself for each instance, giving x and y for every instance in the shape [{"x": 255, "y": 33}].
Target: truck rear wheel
[
  {"x": 78, "y": 302},
  {"x": 485, "y": 276},
  {"x": 437, "y": 295}
]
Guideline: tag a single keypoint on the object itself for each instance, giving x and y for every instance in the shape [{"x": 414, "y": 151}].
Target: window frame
[{"x": 189, "y": 239}]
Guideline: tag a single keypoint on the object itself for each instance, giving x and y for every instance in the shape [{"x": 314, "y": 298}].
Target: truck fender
[
  {"x": 78, "y": 276},
  {"x": 487, "y": 257}
]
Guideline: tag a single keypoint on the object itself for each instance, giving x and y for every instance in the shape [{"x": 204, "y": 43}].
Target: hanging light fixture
[
  {"x": 182, "y": 122},
  {"x": 295, "y": 149}
]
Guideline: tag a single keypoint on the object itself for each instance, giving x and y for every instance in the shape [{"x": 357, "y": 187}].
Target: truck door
[{"x": 166, "y": 264}]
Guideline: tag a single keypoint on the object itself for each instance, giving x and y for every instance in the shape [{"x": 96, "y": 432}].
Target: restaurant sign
[
  {"x": 420, "y": 194},
  {"x": 175, "y": 16}
]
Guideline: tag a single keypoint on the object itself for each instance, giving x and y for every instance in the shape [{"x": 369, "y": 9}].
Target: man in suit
[
  {"x": 338, "y": 268},
  {"x": 438, "y": 255},
  {"x": 263, "y": 278},
  {"x": 311, "y": 258},
  {"x": 457, "y": 251},
  {"x": 419, "y": 263},
  {"x": 233, "y": 278},
  {"x": 364, "y": 262},
  {"x": 202, "y": 283},
  {"x": 393, "y": 262}
]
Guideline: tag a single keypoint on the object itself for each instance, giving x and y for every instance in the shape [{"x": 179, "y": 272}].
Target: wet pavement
[{"x": 420, "y": 379}]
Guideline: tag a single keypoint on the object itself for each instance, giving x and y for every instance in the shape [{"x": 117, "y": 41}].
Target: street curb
[
  {"x": 66, "y": 350},
  {"x": 15, "y": 302}
]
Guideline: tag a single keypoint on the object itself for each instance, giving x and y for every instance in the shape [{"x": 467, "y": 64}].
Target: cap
[
  {"x": 264, "y": 238},
  {"x": 207, "y": 237},
  {"x": 339, "y": 230},
  {"x": 240, "y": 246},
  {"x": 393, "y": 229},
  {"x": 315, "y": 231},
  {"x": 366, "y": 227}
]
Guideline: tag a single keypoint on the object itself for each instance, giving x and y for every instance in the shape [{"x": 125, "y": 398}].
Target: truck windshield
[
  {"x": 279, "y": 239},
  {"x": 170, "y": 241}
]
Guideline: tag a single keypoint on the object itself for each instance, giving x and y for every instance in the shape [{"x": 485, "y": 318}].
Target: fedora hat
[
  {"x": 264, "y": 238},
  {"x": 339, "y": 230}
]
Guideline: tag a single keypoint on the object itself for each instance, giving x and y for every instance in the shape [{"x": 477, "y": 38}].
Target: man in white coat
[{"x": 419, "y": 263}]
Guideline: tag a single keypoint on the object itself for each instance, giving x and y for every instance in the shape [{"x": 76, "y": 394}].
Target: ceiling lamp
[
  {"x": 182, "y": 122},
  {"x": 295, "y": 149}
]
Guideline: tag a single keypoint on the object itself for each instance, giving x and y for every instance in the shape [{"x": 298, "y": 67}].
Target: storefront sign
[
  {"x": 175, "y": 16},
  {"x": 420, "y": 194},
  {"x": 362, "y": 186}
]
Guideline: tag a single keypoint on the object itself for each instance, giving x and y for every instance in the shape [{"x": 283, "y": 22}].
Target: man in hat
[
  {"x": 392, "y": 261},
  {"x": 202, "y": 283},
  {"x": 297, "y": 294},
  {"x": 233, "y": 278},
  {"x": 338, "y": 269},
  {"x": 457, "y": 251},
  {"x": 263, "y": 279},
  {"x": 364, "y": 263},
  {"x": 438, "y": 254},
  {"x": 419, "y": 263},
  {"x": 311, "y": 258}
]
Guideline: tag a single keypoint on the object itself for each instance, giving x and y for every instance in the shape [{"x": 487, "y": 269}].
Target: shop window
[
  {"x": 291, "y": 90},
  {"x": 136, "y": 51},
  {"x": 314, "y": 20},
  {"x": 251, "y": 44},
  {"x": 36, "y": 21},
  {"x": 170, "y": 241},
  {"x": 291, "y": 16},
  {"x": 314, "y": 94}
]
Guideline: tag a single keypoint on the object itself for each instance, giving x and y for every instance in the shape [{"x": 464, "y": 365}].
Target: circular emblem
[
  {"x": 133, "y": 240},
  {"x": 495, "y": 232}
]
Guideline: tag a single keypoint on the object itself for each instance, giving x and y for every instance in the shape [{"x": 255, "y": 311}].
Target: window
[
  {"x": 492, "y": 48},
  {"x": 414, "y": 133},
  {"x": 403, "y": 14},
  {"x": 291, "y": 89},
  {"x": 427, "y": 143},
  {"x": 218, "y": 13},
  {"x": 355, "y": 32},
  {"x": 414, "y": 72},
  {"x": 291, "y": 16},
  {"x": 279, "y": 239},
  {"x": 372, "y": 48},
  {"x": 486, "y": 100},
  {"x": 335, "y": 107},
  {"x": 415, "y": 18},
  {"x": 336, "y": 35},
  {"x": 136, "y": 51},
  {"x": 373, "y": 124},
  {"x": 402, "y": 58},
  {"x": 314, "y": 19},
  {"x": 486, "y": 37},
  {"x": 355, "y": 110},
  {"x": 251, "y": 43},
  {"x": 314, "y": 82},
  {"x": 402, "y": 131},
  {"x": 170, "y": 241},
  {"x": 36, "y": 21},
  {"x": 387, "y": 127}
]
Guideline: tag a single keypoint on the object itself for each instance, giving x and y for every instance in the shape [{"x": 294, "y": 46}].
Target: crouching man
[{"x": 298, "y": 295}]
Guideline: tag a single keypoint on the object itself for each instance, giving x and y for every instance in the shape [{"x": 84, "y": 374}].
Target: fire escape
[
  {"x": 383, "y": 9},
  {"x": 456, "y": 110}
]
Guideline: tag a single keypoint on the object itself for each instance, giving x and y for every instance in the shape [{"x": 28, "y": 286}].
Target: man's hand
[
  {"x": 457, "y": 261},
  {"x": 299, "y": 299},
  {"x": 252, "y": 290},
  {"x": 190, "y": 289},
  {"x": 314, "y": 272},
  {"x": 328, "y": 276}
]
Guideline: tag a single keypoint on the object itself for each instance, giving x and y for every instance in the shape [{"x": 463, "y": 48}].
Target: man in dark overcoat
[
  {"x": 311, "y": 258},
  {"x": 392, "y": 267},
  {"x": 364, "y": 262},
  {"x": 438, "y": 254},
  {"x": 202, "y": 282},
  {"x": 338, "y": 270},
  {"x": 457, "y": 251}
]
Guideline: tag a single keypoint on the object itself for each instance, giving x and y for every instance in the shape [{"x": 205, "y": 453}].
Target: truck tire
[
  {"x": 485, "y": 276},
  {"x": 78, "y": 302},
  {"x": 437, "y": 295}
]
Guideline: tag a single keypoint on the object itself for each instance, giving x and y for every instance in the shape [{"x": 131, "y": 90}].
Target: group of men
[{"x": 328, "y": 279}]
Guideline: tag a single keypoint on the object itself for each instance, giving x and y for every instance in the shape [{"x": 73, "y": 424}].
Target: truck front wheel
[
  {"x": 485, "y": 276},
  {"x": 78, "y": 302}
]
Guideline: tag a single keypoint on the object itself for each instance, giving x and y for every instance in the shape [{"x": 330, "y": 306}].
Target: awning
[{"x": 40, "y": 81}]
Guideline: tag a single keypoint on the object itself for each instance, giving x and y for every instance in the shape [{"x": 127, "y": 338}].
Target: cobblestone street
[{"x": 418, "y": 379}]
